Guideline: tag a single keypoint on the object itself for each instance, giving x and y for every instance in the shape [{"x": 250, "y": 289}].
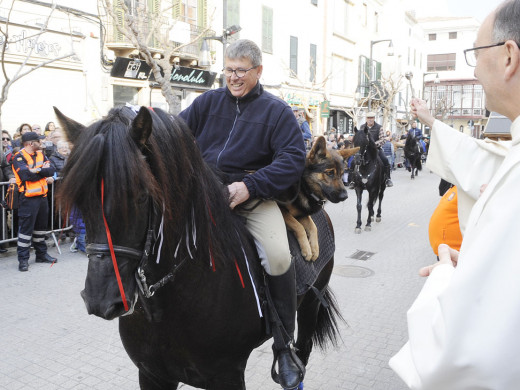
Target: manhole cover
[
  {"x": 353, "y": 271},
  {"x": 362, "y": 255}
]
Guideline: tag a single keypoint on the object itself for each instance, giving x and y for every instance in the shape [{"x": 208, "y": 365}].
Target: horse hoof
[
  {"x": 357, "y": 231},
  {"x": 300, "y": 387},
  {"x": 378, "y": 219},
  {"x": 368, "y": 228}
]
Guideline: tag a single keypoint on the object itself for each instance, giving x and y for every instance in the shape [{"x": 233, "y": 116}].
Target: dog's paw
[{"x": 307, "y": 254}]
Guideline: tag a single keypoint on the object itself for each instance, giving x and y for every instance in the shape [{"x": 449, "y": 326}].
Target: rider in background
[
  {"x": 378, "y": 135},
  {"x": 417, "y": 133}
]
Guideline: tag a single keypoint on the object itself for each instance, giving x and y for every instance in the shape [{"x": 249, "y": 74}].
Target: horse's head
[
  {"x": 324, "y": 169},
  {"x": 109, "y": 178}
]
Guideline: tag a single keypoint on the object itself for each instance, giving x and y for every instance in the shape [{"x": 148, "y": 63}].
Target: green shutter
[
  {"x": 313, "y": 61},
  {"x": 176, "y": 9},
  {"x": 202, "y": 11},
  {"x": 378, "y": 71},
  {"x": 293, "y": 59},
  {"x": 267, "y": 29},
  {"x": 233, "y": 13},
  {"x": 120, "y": 15}
]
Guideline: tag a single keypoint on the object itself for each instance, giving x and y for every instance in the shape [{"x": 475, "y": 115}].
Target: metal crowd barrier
[{"x": 59, "y": 223}]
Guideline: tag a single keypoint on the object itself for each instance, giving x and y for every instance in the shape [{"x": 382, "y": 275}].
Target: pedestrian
[
  {"x": 59, "y": 157},
  {"x": 378, "y": 135},
  {"x": 7, "y": 146},
  {"x": 304, "y": 126},
  {"x": 33, "y": 173},
  {"x": 463, "y": 326},
  {"x": 253, "y": 137},
  {"x": 24, "y": 128}
]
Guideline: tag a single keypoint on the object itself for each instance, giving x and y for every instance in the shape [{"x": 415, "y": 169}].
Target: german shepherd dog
[{"x": 321, "y": 181}]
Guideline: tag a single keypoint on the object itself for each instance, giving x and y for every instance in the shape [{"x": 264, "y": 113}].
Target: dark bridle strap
[
  {"x": 112, "y": 253},
  {"x": 94, "y": 249}
]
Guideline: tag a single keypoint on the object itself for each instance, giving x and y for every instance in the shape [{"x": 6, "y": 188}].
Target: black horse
[
  {"x": 168, "y": 257},
  {"x": 367, "y": 174},
  {"x": 413, "y": 153}
]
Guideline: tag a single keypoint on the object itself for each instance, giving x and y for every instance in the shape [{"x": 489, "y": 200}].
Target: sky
[{"x": 476, "y": 8}]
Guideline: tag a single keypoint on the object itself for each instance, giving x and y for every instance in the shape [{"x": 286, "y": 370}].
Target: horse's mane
[
  {"x": 169, "y": 169},
  {"x": 365, "y": 141}
]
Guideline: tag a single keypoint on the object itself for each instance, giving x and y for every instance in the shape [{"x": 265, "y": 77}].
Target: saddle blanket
[{"x": 307, "y": 271}]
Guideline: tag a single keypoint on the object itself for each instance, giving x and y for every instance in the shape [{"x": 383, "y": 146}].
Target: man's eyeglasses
[
  {"x": 238, "y": 72},
  {"x": 471, "y": 54}
]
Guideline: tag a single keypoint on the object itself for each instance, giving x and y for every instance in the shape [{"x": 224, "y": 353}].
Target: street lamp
[
  {"x": 436, "y": 81},
  {"x": 205, "y": 57},
  {"x": 370, "y": 75}
]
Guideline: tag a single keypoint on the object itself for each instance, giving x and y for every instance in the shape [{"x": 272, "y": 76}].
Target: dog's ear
[
  {"x": 319, "y": 149},
  {"x": 346, "y": 153}
]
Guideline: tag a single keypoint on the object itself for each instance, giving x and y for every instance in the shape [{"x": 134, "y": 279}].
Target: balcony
[{"x": 177, "y": 33}]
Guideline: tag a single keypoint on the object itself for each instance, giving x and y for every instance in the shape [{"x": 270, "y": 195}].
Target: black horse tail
[{"x": 327, "y": 330}]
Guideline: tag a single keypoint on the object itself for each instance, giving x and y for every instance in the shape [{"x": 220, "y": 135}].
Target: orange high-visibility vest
[
  {"x": 32, "y": 188},
  {"x": 444, "y": 223}
]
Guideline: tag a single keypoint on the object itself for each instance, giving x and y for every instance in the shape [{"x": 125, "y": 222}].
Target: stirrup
[{"x": 297, "y": 362}]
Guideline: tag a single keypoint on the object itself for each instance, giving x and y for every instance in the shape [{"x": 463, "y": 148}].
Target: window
[
  {"x": 233, "y": 13},
  {"x": 441, "y": 62},
  {"x": 432, "y": 37},
  {"x": 376, "y": 22},
  {"x": 364, "y": 21},
  {"x": 341, "y": 17},
  {"x": 312, "y": 59},
  {"x": 267, "y": 29},
  {"x": 123, "y": 94},
  {"x": 365, "y": 73},
  {"x": 339, "y": 74},
  {"x": 293, "y": 59},
  {"x": 453, "y": 35},
  {"x": 189, "y": 11},
  {"x": 314, "y": 2}
]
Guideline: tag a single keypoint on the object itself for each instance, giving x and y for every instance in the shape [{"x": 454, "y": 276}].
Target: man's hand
[
  {"x": 46, "y": 164},
  {"x": 50, "y": 180},
  {"x": 420, "y": 110},
  {"x": 12, "y": 180},
  {"x": 447, "y": 255},
  {"x": 238, "y": 193}
]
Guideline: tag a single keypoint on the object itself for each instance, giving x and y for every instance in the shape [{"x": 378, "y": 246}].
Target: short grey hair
[
  {"x": 62, "y": 144},
  {"x": 506, "y": 25},
  {"x": 245, "y": 49}
]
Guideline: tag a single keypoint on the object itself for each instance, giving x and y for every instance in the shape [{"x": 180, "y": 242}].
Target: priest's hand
[{"x": 447, "y": 255}]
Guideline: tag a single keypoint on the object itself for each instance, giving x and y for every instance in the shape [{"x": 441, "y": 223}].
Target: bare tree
[
  {"x": 149, "y": 31},
  {"x": 385, "y": 91},
  {"x": 443, "y": 108},
  {"x": 10, "y": 77}
]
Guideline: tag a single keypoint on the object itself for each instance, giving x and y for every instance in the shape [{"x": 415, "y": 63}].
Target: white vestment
[{"x": 464, "y": 327}]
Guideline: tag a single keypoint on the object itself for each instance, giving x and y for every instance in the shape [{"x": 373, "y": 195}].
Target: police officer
[{"x": 33, "y": 173}]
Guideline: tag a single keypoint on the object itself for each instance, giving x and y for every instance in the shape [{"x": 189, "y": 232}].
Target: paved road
[{"x": 47, "y": 340}]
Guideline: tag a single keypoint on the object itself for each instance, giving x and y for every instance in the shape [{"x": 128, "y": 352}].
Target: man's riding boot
[
  {"x": 388, "y": 181},
  {"x": 291, "y": 370}
]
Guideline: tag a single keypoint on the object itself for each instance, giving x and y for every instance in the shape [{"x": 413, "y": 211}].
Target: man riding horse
[
  {"x": 253, "y": 137},
  {"x": 378, "y": 135}
]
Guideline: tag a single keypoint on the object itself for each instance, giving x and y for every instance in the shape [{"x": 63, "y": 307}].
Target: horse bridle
[
  {"x": 143, "y": 256},
  {"x": 364, "y": 180}
]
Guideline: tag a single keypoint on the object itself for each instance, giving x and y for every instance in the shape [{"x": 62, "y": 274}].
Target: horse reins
[{"x": 141, "y": 255}]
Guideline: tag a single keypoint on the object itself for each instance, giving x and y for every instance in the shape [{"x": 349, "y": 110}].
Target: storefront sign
[
  {"x": 192, "y": 77},
  {"x": 129, "y": 68},
  {"x": 325, "y": 109}
]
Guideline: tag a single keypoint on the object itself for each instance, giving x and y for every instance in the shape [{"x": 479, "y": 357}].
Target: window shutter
[
  {"x": 120, "y": 15},
  {"x": 267, "y": 29},
  {"x": 202, "y": 11},
  {"x": 293, "y": 60},
  {"x": 176, "y": 9},
  {"x": 313, "y": 59}
]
